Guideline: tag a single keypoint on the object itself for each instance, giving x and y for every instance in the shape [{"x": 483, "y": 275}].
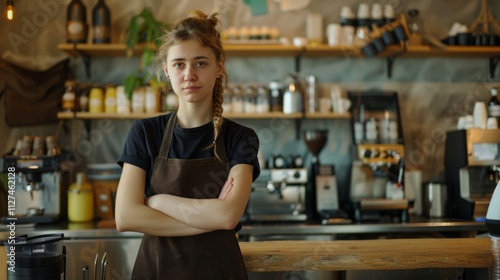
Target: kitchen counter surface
[{"x": 414, "y": 225}]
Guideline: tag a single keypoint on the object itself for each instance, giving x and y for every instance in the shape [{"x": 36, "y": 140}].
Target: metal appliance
[
  {"x": 315, "y": 140},
  {"x": 377, "y": 173},
  {"x": 472, "y": 166},
  {"x": 39, "y": 188},
  {"x": 39, "y": 257},
  {"x": 279, "y": 195}
]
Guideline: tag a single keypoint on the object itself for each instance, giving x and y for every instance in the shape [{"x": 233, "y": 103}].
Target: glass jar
[
  {"x": 250, "y": 101},
  {"x": 237, "y": 99},
  {"x": 69, "y": 97},
  {"x": 138, "y": 100},
  {"x": 276, "y": 96},
  {"x": 122, "y": 101},
  {"x": 227, "y": 105},
  {"x": 150, "y": 100},
  {"x": 83, "y": 98},
  {"x": 263, "y": 102}
]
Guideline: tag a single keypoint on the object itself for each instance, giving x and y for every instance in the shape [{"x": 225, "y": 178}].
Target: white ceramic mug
[
  {"x": 492, "y": 123},
  {"x": 334, "y": 33},
  {"x": 469, "y": 122},
  {"x": 480, "y": 115},
  {"x": 461, "y": 123}
]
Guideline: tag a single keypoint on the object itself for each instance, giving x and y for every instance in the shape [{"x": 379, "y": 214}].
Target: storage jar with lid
[{"x": 80, "y": 200}]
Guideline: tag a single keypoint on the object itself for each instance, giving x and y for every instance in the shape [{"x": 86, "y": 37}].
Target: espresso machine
[
  {"x": 472, "y": 166},
  {"x": 279, "y": 195},
  {"x": 377, "y": 173},
  {"x": 39, "y": 188}
]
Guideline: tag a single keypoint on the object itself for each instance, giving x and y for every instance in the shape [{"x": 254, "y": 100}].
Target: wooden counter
[{"x": 380, "y": 254}]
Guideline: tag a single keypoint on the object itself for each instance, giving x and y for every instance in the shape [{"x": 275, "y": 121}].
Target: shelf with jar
[
  {"x": 131, "y": 116},
  {"x": 321, "y": 50}
]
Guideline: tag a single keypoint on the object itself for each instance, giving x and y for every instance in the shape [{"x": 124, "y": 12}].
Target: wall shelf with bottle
[
  {"x": 132, "y": 116},
  {"x": 309, "y": 51},
  {"x": 391, "y": 52}
]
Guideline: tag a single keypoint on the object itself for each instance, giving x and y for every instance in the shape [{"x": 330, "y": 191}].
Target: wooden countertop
[{"x": 380, "y": 254}]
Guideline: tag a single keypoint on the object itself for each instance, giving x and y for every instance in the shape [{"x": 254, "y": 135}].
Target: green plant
[{"x": 142, "y": 28}]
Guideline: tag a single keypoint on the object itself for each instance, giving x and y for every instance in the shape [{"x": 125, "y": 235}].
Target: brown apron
[{"x": 212, "y": 255}]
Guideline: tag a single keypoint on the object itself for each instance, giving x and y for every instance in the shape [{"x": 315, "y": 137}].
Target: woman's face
[{"x": 192, "y": 70}]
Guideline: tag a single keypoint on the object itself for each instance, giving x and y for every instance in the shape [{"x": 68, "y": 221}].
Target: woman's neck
[{"x": 193, "y": 116}]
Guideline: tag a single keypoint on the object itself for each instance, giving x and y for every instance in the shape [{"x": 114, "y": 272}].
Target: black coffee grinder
[{"x": 315, "y": 141}]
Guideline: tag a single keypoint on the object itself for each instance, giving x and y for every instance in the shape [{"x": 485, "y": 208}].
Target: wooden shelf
[
  {"x": 329, "y": 115},
  {"x": 131, "y": 116},
  {"x": 262, "y": 50},
  {"x": 293, "y": 51},
  {"x": 114, "y": 116}
]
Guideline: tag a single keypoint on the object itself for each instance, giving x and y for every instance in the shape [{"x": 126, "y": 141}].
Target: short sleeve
[
  {"x": 135, "y": 149},
  {"x": 244, "y": 151}
]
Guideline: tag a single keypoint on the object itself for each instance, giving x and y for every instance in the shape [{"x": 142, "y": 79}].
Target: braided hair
[{"x": 201, "y": 28}]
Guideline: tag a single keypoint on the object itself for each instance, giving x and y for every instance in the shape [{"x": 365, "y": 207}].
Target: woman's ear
[{"x": 220, "y": 68}]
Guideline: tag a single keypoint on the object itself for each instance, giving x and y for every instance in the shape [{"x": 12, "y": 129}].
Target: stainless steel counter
[{"x": 415, "y": 225}]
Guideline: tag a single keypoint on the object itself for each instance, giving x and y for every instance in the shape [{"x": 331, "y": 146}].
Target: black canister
[{"x": 40, "y": 257}]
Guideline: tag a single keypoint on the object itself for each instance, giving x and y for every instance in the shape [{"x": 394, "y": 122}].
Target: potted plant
[{"x": 142, "y": 28}]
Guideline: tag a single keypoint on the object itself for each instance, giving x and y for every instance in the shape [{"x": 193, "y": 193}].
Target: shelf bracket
[
  {"x": 298, "y": 59},
  {"x": 493, "y": 65},
  {"x": 392, "y": 58},
  {"x": 86, "y": 59}
]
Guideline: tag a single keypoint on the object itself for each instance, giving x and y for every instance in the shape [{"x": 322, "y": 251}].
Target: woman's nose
[{"x": 189, "y": 74}]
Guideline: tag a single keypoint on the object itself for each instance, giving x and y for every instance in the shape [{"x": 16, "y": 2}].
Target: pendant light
[{"x": 9, "y": 10}]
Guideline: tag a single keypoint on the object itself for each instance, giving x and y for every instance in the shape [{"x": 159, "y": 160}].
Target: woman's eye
[{"x": 201, "y": 63}]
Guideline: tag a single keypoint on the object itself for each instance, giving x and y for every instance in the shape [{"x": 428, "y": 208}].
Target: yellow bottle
[
  {"x": 110, "y": 99},
  {"x": 80, "y": 200},
  {"x": 96, "y": 100}
]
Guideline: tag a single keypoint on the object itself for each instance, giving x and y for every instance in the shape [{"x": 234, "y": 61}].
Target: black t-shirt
[{"x": 144, "y": 141}]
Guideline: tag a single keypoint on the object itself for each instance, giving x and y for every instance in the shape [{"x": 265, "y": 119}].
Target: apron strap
[{"x": 167, "y": 136}]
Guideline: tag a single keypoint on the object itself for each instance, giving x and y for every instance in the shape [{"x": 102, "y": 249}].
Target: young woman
[{"x": 194, "y": 167}]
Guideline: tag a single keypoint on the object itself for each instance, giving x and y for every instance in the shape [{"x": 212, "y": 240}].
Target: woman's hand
[{"x": 226, "y": 189}]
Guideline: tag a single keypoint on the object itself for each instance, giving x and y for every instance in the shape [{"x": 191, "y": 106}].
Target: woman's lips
[{"x": 191, "y": 88}]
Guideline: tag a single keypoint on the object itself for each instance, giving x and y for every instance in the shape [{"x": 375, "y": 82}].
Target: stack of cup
[
  {"x": 348, "y": 23},
  {"x": 480, "y": 115}
]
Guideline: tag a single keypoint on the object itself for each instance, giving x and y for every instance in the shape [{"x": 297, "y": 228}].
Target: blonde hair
[{"x": 201, "y": 28}]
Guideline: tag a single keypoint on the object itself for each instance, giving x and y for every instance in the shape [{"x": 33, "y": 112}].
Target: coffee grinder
[
  {"x": 319, "y": 208},
  {"x": 472, "y": 166},
  {"x": 377, "y": 173},
  {"x": 38, "y": 188}
]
